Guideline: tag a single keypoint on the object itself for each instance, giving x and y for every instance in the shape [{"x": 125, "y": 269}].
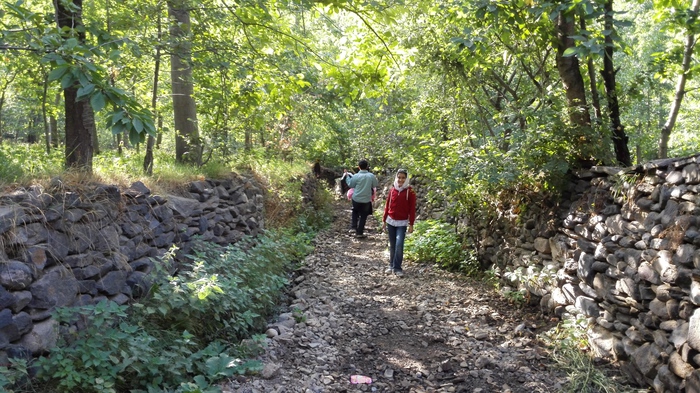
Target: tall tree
[
  {"x": 80, "y": 118},
  {"x": 569, "y": 70},
  {"x": 150, "y": 141},
  {"x": 689, "y": 48},
  {"x": 619, "y": 137},
  {"x": 187, "y": 141},
  {"x": 3, "y": 91}
]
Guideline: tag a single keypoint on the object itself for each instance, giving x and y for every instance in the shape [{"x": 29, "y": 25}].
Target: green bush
[
  {"x": 436, "y": 241},
  {"x": 568, "y": 343},
  {"x": 179, "y": 337},
  {"x": 22, "y": 162},
  {"x": 14, "y": 375}
]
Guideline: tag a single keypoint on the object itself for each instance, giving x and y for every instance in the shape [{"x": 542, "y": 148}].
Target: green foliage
[
  {"x": 24, "y": 162},
  {"x": 287, "y": 205},
  {"x": 116, "y": 353},
  {"x": 491, "y": 278},
  {"x": 330, "y": 81},
  {"x": 516, "y": 298},
  {"x": 437, "y": 242},
  {"x": 120, "y": 168},
  {"x": 280, "y": 174},
  {"x": 227, "y": 293},
  {"x": 177, "y": 337},
  {"x": 14, "y": 376},
  {"x": 530, "y": 277},
  {"x": 298, "y": 315},
  {"x": 72, "y": 63},
  {"x": 318, "y": 215},
  {"x": 568, "y": 342},
  {"x": 620, "y": 184}
]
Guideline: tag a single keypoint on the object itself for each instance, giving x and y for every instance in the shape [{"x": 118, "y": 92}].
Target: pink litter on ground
[{"x": 355, "y": 379}]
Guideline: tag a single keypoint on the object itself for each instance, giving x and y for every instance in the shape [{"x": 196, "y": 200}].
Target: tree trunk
[
  {"x": 44, "y": 116},
  {"x": 619, "y": 137},
  {"x": 53, "y": 124},
  {"x": 33, "y": 131},
  {"x": 78, "y": 134},
  {"x": 570, "y": 73},
  {"x": 595, "y": 101},
  {"x": 150, "y": 142},
  {"x": 2, "y": 104},
  {"x": 680, "y": 88},
  {"x": 159, "y": 128},
  {"x": 186, "y": 133},
  {"x": 80, "y": 119},
  {"x": 10, "y": 78},
  {"x": 248, "y": 144},
  {"x": 95, "y": 141}
]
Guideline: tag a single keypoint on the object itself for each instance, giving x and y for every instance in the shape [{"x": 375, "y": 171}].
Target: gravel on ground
[{"x": 428, "y": 331}]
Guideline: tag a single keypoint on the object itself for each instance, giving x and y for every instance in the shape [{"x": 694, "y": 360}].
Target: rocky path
[{"x": 429, "y": 331}]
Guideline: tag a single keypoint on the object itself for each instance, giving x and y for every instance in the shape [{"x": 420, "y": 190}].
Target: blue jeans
[{"x": 396, "y": 238}]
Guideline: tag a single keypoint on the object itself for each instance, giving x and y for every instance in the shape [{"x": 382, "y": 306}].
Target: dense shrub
[
  {"x": 438, "y": 242},
  {"x": 183, "y": 336}
]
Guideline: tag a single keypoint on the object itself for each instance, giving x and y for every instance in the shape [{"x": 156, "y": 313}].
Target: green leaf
[
  {"x": 97, "y": 101},
  {"x": 138, "y": 125},
  {"x": 67, "y": 80},
  {"x": 83, "y": 78},
  {"x": 222, "y": 365},
  {"x": 117, "y": 117},
  {"x": 150, "y": 127},
  {"x": 58, "y": 72},
  {"x": 71, "y": 43},
  {"x": 114, "y": 55},
  {"x": 118, "y": 128},
  {"x": 201, "y": 381},
  {"x": 84, "y": 91},
  {"x": 135, "y": 137},
  {"x": 570, "y": 52}
]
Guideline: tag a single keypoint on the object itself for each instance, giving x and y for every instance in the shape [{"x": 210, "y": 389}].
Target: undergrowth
[
  {"x": 568, "y": 343},
  {"x": 21, "y": 162},
  {"x": 435, "y": 241},
  {"x": 24, "y": 164},
  {"x": 184, "y": 336}
]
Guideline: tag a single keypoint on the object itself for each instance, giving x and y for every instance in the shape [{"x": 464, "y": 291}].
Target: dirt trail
[{"x": 429, "y": 331}]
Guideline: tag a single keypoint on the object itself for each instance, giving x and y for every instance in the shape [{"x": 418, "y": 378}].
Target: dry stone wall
[
  {"x": 622, "y": 249},
  {"x": 62, "y": 248}
]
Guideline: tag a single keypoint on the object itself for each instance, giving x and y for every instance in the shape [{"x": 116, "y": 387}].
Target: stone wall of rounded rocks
[
  {"x": 63, "y": 248},
  {"x": 621, "y": 249}
]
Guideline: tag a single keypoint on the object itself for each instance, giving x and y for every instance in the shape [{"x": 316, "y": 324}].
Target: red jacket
[{"x": 401, "y": 205}]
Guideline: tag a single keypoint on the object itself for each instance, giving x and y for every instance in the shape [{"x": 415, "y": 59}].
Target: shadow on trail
[{"x": 429, "y": 331}]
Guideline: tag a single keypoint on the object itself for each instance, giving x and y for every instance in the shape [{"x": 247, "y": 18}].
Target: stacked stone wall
[
  {"x": 621, "y": 249},
  {"x": 65, "y": 248}
]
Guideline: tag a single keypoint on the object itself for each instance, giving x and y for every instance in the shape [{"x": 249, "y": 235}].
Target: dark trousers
[{"x": 360, "y": 211}]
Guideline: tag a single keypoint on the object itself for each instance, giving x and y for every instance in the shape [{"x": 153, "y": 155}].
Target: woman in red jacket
[{"x": 399, "y": 214}]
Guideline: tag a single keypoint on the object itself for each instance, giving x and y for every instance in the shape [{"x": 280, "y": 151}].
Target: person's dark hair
[
  {"x": 363, "y": 164},
  {"x": 405, "y": 172}
]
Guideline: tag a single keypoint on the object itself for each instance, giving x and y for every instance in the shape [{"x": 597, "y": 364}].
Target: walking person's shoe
[
  {"x": 389, "y": 270},
  {"x": 399, "y": 273},
  {"x": 360, "y": 236}
]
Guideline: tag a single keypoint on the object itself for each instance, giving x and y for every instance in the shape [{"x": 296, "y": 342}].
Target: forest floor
[{"x": 428, "y": 331}]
